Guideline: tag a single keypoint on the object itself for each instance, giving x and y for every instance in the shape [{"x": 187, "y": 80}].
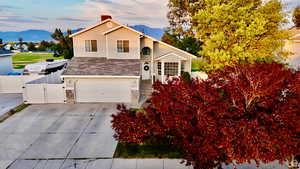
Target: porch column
[{"x": 162, "y": 71}]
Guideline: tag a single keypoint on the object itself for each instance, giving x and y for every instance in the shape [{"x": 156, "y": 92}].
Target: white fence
[
  {"x": 14, "y": 84},
  {"x": 48, "y": 89},
  {"x": 44, "y": 93}
]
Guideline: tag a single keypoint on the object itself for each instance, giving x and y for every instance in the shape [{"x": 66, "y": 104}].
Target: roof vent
[{"x": 105, "y": 17}]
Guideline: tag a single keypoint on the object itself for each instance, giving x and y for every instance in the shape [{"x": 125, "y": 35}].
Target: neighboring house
[
  {"x": 6, "y": 62},
  {"x": 16, "y": 47},
  {"x": 7, "y": 46},
  {"x": 115, "y": 63},
  {"x": 293, "y": 45},
  {"x": 24, "y": 47}
]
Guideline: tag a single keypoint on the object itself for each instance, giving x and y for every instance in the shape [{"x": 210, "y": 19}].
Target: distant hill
[
  {"x": 153, "y": 32},
  {"x": 39, "y": 35},
  {"x": 28, "y": 35}
]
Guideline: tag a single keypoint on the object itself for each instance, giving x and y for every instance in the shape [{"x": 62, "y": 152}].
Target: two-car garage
[
  {"x": 102, "y": 80},
  {"x": 104, "y": 90}
]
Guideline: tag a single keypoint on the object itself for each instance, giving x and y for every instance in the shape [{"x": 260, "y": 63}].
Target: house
[
  {"x": 6, "y": 62},
  {"x": 293, "y": 45},
  {"x": 115, "y": 63}
]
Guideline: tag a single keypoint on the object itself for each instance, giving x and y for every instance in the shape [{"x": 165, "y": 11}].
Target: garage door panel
[{"x": 103, "y": 91}]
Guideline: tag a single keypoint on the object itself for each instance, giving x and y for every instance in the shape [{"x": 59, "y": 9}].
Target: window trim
[
  {"x": 159, "y": 68},
  {"x": 89, "y": 46},
  {"x": 123, "y": 46}
]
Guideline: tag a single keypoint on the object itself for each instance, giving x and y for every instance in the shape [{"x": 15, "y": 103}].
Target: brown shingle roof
[{"x": 103, "y": 67}]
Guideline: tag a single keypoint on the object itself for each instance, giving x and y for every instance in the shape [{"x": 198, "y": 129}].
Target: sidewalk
[{"x": 100, "y": 164}]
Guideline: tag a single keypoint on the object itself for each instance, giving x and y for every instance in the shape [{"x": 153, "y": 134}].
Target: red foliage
[{"x": 242, "y": 113}]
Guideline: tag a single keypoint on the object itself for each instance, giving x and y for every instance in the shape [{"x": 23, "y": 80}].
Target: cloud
[
  {"x": 150, "y": 12},
  {"x": 8, "y": 7},
  {"x": 18, "y": 19},
  {"x": 72, "y": 19},
  {"x": 40, "y": 18}
]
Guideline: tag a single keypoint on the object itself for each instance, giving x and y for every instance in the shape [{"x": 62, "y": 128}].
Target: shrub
[{"x": 241, "y": 113}]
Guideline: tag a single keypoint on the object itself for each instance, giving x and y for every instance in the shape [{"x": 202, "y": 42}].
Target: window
[
  {"x": 159, "y": 68},
  {"x": 91, "y": 46},
  {"x": 182, "y": 67},
  {"x": 146, "y": 51},
  {"x": 171, "y": 68},
  {"x": 123, "y": 46}
]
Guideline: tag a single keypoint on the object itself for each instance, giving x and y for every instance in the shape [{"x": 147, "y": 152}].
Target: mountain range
[{"x": 39, "y": 35}]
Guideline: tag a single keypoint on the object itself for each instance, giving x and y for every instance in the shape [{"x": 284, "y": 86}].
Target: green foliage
[
  {"x": 296, "y": 16},
  {"x": 1, "y": 43},
  {"x": 46, "y": 46},
  {"x": 186, "y": 77},
  {"x": 189, "y": 44},
  {"x": 65, "y": 44},
  {"x": 31, "y": 46},
  {"x": 199, "y": 64},
  {"x": 240, "y": 31}
]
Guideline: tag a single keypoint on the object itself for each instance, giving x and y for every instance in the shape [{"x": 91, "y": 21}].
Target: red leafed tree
[{"x": 241, "y": 113}]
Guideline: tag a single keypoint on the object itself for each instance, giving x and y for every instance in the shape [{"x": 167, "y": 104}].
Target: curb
[{"x": 12, "y": 112}]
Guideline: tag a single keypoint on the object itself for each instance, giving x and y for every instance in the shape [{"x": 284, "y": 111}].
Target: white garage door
[{"x": 102, "y": 90}]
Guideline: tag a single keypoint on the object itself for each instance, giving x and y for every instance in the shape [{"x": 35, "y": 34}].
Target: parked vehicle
[{"x": 45, "y": 68}]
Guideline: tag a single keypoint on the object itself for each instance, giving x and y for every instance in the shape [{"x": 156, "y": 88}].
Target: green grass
[
  {"x": 198, "y": 64},
  {"x": 133, "y": 150},
  {"x": 20, "y": 60}
]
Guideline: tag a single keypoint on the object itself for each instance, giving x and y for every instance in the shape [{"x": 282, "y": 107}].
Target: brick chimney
[{"x": 105, "y": 17}]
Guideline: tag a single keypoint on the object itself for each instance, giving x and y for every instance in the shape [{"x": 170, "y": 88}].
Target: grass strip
[{"x": 132, "y": 150}]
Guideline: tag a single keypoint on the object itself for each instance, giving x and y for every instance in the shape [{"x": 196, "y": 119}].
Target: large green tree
[
  {"x": 189, "y": 44},
  {"x": 238, "y": 31},
  {"x": 1, "y": 43},
  {"x": 65, "y": 43},
  {"x": 31, "y": 46},
  {"x": 296, "y": 16}
]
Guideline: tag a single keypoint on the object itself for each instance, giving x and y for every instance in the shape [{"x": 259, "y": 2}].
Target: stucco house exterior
[
  {"x": 293, "y": 45},
  {"x": 115, "y": 63}
]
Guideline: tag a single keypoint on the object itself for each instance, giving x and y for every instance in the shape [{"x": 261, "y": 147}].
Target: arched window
[{"x": 146, "y": 51}]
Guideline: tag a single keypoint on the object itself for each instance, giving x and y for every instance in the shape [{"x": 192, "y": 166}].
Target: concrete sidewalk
[{"x": 100, "y": 164}]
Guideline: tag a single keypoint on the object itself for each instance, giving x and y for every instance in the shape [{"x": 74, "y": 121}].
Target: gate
[{"x": 44, "y": 93}]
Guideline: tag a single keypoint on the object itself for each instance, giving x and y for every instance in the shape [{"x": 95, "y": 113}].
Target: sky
[{"x": 17, "y": 15}]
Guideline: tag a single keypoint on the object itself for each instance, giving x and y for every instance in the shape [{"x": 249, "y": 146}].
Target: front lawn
[
  {"x": 133, "y": 150},
  {"x": 20, "y": 60},
  {"x": 198, "y": 64}
]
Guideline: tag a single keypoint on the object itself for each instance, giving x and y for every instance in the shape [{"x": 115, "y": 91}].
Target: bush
[{"x": 241, "y": 113}]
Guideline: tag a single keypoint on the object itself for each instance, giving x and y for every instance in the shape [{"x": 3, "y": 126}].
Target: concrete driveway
[
  {"x": 9, "y": 101},
  {"x": 61, "y": 136},
  {"x": 51, "y": 136}
]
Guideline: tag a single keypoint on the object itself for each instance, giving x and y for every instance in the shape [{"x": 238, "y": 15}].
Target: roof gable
[
  {"x": 170, "y": 55},
  {"x": 92, "y": 27},
  {"x": 133, "y": 30}
]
